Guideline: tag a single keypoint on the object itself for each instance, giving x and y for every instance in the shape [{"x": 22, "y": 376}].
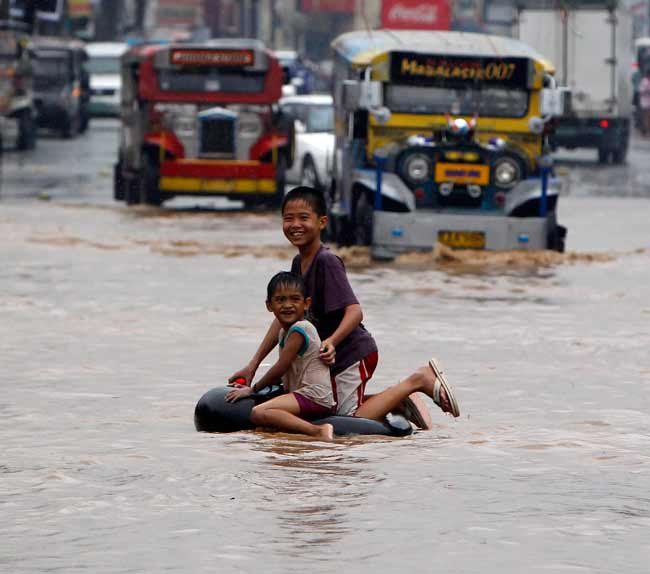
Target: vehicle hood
[
  {"x": 105, "y": 81},
  {"x": 324, "y": 140}
]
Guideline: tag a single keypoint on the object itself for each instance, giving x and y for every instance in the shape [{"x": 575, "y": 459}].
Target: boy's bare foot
[{"x": 326, "y": 432}]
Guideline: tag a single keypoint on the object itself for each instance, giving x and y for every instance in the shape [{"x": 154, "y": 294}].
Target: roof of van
[{"x": 361, "y": 47}]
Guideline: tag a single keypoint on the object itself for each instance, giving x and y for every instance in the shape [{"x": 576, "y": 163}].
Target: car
[
  {"x": 314, "y": 139},
  {"x": 105, "y": 80},
  {"x": 61, "y": 90}
]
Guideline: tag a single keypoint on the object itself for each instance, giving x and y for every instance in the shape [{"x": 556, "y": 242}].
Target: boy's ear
[
  {"x": 322, "y": 222},
  {"x": 268, "y": 307},
  {"x": 307, "y": 303}
]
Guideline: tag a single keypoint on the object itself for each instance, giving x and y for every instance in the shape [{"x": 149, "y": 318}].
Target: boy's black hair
[
  {"x": 285, "y": 279},
  {"x": 311, "y": 196}
]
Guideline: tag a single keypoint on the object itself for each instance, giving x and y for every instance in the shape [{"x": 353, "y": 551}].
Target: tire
[
  {"x": 619, "y": 155},
  {"x": 556, "y": 238},
  {"x": 149, "y": 190},
  {"x": 363, "y": 210},
  {"x": 309, "y": 175},
  {"x": 26, "y": 131},
  {"x": 119, "y": 192},
  {"x": 70, "y": 127},
  {"x": 603, "y": 155}
]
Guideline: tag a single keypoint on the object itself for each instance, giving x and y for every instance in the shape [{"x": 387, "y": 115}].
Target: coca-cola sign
[{"x": 415, "y": 14}]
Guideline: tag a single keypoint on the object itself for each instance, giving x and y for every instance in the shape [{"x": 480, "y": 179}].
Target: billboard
[{"x": 416, "y": 14}]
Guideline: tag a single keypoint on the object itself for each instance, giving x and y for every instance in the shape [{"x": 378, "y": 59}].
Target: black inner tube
[{"x": 214, "y": 414}]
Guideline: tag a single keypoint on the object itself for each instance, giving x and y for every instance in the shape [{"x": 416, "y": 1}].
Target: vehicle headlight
[
  {"x": 506, "y": 172},
  {"x": 417, "y": 168}
]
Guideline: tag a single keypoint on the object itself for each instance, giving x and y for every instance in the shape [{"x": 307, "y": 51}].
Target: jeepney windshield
[
  {"x": 205, "y": 79},
  {"x": 467, "y": 100}
]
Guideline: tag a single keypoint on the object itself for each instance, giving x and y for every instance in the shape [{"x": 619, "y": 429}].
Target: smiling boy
[{"x": 305, "y": 377}]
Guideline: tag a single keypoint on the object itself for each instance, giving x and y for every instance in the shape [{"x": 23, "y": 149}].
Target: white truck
[{"x": 590, "y": 43}]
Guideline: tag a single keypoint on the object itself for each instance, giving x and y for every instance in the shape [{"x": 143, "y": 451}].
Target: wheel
[
  {"x": 619, "y": 155},
  {"x": 119, "y": 193},
  {"x": 70, "y": 127},
  {"x": 363, "y": 220},
  {"x": 84, "y": 120},
  {"x": 603, "y": 155},
  {"x": 556, "y": 237},
  {"x": 26, "y": 131},
  {"x": 309, "y": 175},
  {"x": 149, "y": 190}
]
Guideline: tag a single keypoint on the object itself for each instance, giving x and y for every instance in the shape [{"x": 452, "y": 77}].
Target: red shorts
[
  {"x": 349, "y": 385},
  {"x": 311, "y": 410}
]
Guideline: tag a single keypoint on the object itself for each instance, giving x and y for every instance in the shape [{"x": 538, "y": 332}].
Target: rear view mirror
[
  {"x": 554, "y": 101},
  {"x": 351, "y": 94}
]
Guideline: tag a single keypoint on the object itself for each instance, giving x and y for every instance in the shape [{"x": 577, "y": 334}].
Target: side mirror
[
  {"x": 351, "y": 94},
  {"x": 554, "y": 102},
  {"x": 299, "y": 127}
]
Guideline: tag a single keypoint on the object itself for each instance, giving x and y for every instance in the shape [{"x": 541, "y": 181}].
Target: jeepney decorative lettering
[
  {"x": 413, "y": 68},
  {"x": 185, "y": 57}
]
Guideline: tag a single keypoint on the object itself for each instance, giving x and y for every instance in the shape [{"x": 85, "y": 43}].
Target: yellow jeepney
[{"x": 440, "y": 136}]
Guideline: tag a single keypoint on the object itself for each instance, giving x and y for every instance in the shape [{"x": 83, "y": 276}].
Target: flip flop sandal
[
  {"x": 442, "y": 382},
  {"x": 414, "y": 410}
]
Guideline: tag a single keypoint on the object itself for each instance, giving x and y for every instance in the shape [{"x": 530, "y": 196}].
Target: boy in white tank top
[{"x": 305, "y": 377}]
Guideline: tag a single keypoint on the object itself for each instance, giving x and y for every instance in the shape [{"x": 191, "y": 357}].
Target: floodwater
[{"x": 114, "y": 321}]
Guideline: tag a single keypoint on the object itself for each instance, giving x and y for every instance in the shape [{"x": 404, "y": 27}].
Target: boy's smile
[
  {"x": 288, "y": 305},
  {"x": 300, "y": 223}
]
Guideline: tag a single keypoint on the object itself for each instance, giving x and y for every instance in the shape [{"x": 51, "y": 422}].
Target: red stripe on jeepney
[{"x": 207, "y": 169}]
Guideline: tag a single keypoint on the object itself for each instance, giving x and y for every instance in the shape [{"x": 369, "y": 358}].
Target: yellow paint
[
  {"x": 444, "y": 172},
  {"x": 201, "y": 185}
]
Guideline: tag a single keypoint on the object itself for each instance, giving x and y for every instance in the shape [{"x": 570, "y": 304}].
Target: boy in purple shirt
[{"x": 346, "y": 346}]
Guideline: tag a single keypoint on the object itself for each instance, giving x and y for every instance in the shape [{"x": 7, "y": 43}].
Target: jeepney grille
[{"x": 217, "y": 137}]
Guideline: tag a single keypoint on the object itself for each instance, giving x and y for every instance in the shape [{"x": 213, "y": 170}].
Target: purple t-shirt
[{"x": 328, "y": 286}]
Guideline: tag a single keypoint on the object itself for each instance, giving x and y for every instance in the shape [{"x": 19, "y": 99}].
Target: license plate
[
  {"x": 462, "y": 239},
  {"x": 463, "y": 173}
]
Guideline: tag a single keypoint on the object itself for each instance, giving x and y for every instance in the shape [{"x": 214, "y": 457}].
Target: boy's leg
[
  {"x": 349, "y": 385},
  {"x": 424, "y": 380},
  {"x": 283, "y": 413}
]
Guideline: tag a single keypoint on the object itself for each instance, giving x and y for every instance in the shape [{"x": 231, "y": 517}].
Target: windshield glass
[
  {"x": 210, "y": 80},
  {"x": 103, "y": 65},
  {"x": 320, "y": 119},
  {"x": 51, "y": 71},
  {"x": 466, "y": 100}
]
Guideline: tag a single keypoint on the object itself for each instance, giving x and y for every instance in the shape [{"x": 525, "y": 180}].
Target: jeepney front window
[
  {"x": 204, "y": 79},
  {"x": 486, "y": 101}
]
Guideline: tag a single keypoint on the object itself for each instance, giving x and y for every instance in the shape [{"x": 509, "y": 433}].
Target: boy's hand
[
  {"x": 239, "y": 393},
  {"x": 247, "y": 374},
  {"x": 327, "y": 352}
]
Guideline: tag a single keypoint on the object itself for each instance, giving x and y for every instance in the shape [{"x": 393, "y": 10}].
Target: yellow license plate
[
  {"x": 463, "y": 173},
  {"x": 462, "y": 239}
]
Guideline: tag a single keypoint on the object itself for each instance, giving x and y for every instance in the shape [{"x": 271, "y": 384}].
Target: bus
[
  {"x": 202, "y": 120},
  {"x": 441, "y": 137}
]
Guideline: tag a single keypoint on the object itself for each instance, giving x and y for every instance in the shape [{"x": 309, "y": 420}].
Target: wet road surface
[{"x": 114, "y": 321}]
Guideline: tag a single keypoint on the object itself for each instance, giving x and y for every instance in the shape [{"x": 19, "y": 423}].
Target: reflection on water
[{"x": 113, "y": 325}]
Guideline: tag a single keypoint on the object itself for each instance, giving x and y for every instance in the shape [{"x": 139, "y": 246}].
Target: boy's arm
[
  {"x": 352, "y": 317},
  {"x": 266, "y": 346},
  {"x": 292, "y": 345}
]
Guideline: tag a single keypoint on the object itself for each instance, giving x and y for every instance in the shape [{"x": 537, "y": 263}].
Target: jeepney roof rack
[{"x": 361, "y": 47}]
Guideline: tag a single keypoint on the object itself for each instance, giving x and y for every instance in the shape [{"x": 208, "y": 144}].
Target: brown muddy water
[{"x": 114, "y": 322}]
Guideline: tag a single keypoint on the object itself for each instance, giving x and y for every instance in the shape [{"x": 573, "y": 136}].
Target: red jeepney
[{"x": 203, "y": 120}]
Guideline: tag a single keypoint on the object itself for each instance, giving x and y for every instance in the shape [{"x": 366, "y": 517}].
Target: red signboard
[
  {"x": 345, "y": 6},
  {"x": 416, "y": 14},
  {"x": 183, "y": 57}
]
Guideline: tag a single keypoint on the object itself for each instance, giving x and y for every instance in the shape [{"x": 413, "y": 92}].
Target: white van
[{"x": 105, "y": 82}]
